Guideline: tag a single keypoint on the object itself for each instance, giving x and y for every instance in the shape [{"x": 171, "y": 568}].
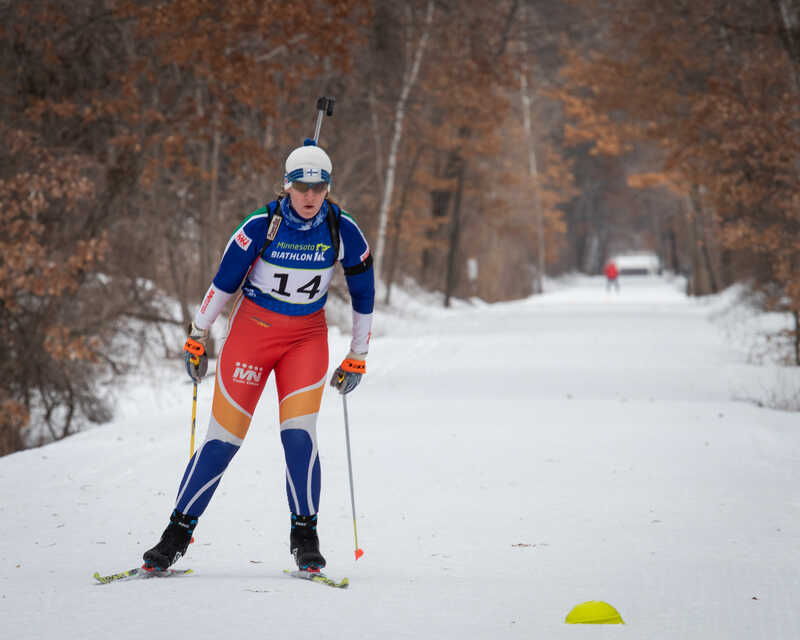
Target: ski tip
[
  {"x": 359, "y": 553},
  {"x": 140, "y": 572}
]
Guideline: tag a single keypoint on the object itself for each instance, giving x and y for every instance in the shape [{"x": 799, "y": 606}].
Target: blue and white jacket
[{"x": 293, "y": 274}]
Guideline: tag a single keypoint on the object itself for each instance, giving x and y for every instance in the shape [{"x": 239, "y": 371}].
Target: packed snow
[{"x": 510, "y": 461}]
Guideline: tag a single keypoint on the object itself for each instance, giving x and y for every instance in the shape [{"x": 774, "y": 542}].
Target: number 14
[{"x": 311, "y": 287}]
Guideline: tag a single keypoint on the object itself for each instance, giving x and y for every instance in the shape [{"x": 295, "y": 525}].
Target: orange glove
[
  {"x": 349, "y": 373},
  {"x": 194, "y": 353}
]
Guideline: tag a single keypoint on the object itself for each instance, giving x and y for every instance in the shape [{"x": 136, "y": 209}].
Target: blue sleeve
[
  {"x": 362, "y": 291},
  {"x": 242, "y": 250},
  {"x": 357, "y": 263}
]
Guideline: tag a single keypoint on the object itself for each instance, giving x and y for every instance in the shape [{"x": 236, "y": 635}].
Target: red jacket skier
[{"x": 612, "y": 273}]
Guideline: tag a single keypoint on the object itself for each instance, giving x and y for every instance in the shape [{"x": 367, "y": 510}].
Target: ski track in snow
[{"x": 510, "y": 462}]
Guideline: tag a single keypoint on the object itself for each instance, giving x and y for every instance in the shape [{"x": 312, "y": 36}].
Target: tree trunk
[
  {"x": 787, "y": 13},
  {"x": 787, "y": 17},
  {"x": 409, "y": 79},
  {"x": 213, "y": 199},
  {"x": 376, "y": 134},
  {"x": 533, "y": 168},
  {"x": 203, "y": 226},
  {"x": 712, "y": 278},
  {"x": 672, "y": 241},
  {"x": 455, "y": 236},
  {"x": 691, "y": 276},
  {"x": 701, "y": 239},
  {"x": 269, "y": 140},
  {"x": 440, "y": 208},
  {"x": 396, "y": 226}
]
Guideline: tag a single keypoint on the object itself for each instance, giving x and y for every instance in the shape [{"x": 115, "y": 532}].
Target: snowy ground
[{"x": 510, "y": 461}]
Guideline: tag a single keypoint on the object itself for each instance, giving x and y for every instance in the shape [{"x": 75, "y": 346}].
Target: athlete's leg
[
  {"x": 243, "y": 367},
  {"x": 300, "y": 376}
]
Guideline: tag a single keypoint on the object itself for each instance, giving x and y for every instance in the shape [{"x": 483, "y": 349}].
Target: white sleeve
[
  {"x": 362, "y": 330},
  {"x": 213, "y": 303}
]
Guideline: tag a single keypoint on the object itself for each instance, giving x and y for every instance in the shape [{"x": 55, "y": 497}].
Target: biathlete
[{"x": 281, "y": 258}]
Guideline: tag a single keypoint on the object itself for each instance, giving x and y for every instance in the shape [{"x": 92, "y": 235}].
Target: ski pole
[
  {"x": 194, "y": 419},
  {"x": 358, "y": 552},
  {"x": 324, "y": 108}
]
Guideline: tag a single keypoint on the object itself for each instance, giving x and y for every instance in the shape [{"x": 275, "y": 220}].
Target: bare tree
[{"x": 415, "y": 51}]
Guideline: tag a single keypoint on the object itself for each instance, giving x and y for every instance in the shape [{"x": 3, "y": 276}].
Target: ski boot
[
  {"x": 304, "y": 543},
  {"x": 173, "y": 544}
]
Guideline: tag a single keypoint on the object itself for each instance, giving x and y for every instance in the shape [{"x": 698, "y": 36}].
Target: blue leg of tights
[
  {"x": 304, "y": 475},
  {"x": 202, "y": 476}
]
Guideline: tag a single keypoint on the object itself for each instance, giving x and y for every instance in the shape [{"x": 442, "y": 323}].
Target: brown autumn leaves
[{"x": 138, "y": 134}]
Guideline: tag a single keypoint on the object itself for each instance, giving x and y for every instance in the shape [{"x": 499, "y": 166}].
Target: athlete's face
[{"x": 307, "y": 203}]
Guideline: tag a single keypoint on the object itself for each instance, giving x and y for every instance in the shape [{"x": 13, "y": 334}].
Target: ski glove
[
  {"x": 194, "y": 353},
  {"x": 348, "y": 374}
]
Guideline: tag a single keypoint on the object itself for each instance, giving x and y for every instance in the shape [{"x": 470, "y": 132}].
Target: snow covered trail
[{"x": 510, "y": 461}]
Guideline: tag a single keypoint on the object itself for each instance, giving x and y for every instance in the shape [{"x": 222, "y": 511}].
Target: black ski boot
[
  {"x": 304, "y": 543},
  {"x": 173, "y": 544}
]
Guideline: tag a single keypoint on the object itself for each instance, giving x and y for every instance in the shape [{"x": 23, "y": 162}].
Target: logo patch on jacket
[
  {"x": 319, "y": 251},
  {"x": 247, "y": 374},
  {"x": 242, "y": 239}
]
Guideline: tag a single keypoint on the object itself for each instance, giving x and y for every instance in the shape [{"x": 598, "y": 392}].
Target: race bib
[{"x": 293, "y": 285}]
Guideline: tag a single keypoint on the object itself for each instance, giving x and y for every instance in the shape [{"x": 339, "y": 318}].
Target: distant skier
[
  {"x": 612, "y": 276},
  {"x": 282, "y": 258}
]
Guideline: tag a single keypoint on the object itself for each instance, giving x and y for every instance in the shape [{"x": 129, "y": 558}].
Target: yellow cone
[{"x": 594, "y": 612}]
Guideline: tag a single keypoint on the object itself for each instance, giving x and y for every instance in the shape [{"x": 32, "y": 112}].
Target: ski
[
  {"x": 320, "y": 578},
  {"x": 140, "y": 573}
]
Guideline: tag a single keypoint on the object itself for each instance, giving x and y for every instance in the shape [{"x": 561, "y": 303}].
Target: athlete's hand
[
  {"x": 349, "y": 373},
  {"x": 194, "y": 353}
]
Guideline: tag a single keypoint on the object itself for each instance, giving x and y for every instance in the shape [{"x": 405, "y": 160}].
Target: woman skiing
[{"x": 281, "y": 258}]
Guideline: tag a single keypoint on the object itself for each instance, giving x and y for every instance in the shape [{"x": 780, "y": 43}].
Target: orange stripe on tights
[
  {"x": 302, "y": 404},
  {"x": 228, "y": 416}
]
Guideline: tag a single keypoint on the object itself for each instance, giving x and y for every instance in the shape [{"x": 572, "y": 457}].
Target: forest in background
[{"x": 480, "y": 149}]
